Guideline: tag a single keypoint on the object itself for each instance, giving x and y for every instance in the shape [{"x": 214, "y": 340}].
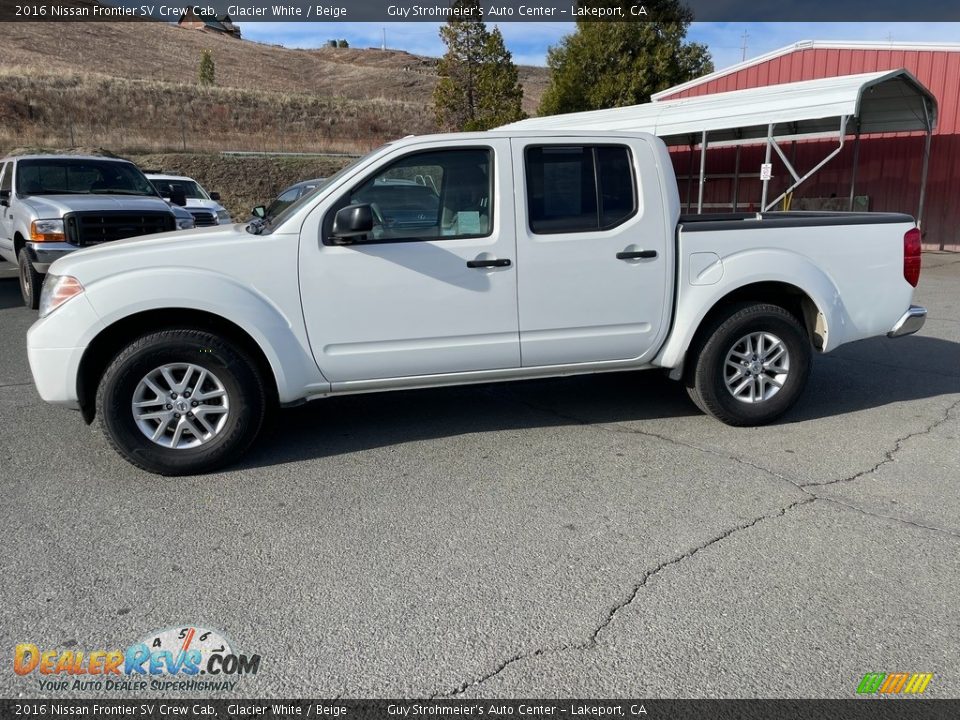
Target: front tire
[
  {"x": 181, "y": 402},
  {"x": 752, "y": 365},
  {"x": 31, "y": 282}
]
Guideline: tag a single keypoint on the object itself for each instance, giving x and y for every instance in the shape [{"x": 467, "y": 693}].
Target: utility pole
[
  {"x": 383, "y": 43},
  {"x": 743, "y": 47}
]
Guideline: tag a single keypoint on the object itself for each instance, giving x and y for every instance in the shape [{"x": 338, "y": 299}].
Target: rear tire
[
  {"x": 751, "y": 366},
  {"x": 181, "y": 402},
  {"x": 31, "y": 282}
]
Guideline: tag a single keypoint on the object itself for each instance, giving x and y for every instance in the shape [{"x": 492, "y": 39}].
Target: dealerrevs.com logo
[{"x": 186, "y": 658}]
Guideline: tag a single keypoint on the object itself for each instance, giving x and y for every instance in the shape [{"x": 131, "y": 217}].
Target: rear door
[
  {"x": 433, "y": 290},
  {"x": 592, "y": 250}
]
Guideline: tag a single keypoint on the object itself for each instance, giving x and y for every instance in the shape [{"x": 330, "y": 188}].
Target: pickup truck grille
[
  {"x": 203, "y": 218},
  {"x": 95, "y": 227}
]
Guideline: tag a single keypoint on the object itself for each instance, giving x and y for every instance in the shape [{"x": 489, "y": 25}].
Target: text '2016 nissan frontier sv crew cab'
[{"x": 453, "y": 259}]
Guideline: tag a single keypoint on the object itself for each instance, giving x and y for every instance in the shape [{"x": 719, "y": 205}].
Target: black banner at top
[{"x": 489, "y": 11}]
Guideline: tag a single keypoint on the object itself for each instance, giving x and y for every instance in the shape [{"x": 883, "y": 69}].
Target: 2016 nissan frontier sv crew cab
[{"x": 453, "y": 259}]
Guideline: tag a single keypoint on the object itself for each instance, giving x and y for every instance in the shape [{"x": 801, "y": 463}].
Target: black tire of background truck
[
  {"x": 239, "y": 375},
  {"x": 31, "y": 282},
  {"x": 706, "y": 385}
]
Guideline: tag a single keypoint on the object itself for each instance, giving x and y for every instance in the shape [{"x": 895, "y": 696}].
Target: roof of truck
[
  {"x": 63, "y": 156},
  {"x": 165, "y": 176}
]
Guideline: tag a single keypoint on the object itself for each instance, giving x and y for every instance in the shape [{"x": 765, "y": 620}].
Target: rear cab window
[{"x": 579, "y": 188}]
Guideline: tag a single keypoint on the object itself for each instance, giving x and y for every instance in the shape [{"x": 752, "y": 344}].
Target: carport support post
[
  {"x": 703, "y": 168},
  {"x": 856, "y": 164},
  {"x": 736, "y": 179},
  {"x": 926, "y": 167},
  {"x": 766, "y": 161}
]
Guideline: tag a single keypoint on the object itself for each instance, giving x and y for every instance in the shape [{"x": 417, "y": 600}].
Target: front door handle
[
  {"x": 636, "y": 254},
  {"x": 488, "y": 262}
]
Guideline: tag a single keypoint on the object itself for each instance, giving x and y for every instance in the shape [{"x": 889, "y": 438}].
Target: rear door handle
[
  {"x": 488, "y": 262},
  {"x": 636, "y": 254}
]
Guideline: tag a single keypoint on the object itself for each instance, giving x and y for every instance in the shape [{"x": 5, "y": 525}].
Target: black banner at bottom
[{"x": 856, "y": 709}]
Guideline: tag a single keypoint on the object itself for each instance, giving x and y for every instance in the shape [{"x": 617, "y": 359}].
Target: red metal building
[{"x": 889, "y": 166}]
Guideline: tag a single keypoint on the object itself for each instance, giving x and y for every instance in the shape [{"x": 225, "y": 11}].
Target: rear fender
[{"x": 746, "y": 268}]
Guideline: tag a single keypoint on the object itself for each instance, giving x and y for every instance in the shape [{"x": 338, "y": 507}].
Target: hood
[
  {"x": 147, "y": 250},
  {"x": 55, "y": 206}
]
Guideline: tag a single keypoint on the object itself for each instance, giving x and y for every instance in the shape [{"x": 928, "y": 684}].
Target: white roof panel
[{"x": 888, "y": 101}]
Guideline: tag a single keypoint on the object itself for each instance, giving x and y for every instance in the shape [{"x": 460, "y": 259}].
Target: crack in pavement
[
  {"x": 889, "y": 455},
  {"x": 809, "y": 497},
  {"x": 802, "y": 487},
  {"x": 611, "y": 614},
  {"x": 881, "y": 516}
]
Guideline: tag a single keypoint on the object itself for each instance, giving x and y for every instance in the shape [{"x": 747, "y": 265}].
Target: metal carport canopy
[{"x": 889, "y": 101}]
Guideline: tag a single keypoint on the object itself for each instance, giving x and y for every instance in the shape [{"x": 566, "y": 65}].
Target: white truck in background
[
  {"x": 52, "y": 205},
  {"x": 454, "y": 259}
]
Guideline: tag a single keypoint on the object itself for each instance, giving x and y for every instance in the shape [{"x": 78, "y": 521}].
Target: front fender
[
  {"x": 279, "y": 334},
  {"x": 740, "y": 269}
]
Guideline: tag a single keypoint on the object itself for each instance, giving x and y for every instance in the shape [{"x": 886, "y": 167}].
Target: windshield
[
  {"x": 59, "y": 176},
  {"x": 271, "y": 222},
  {"x": 190, "y": 188}
]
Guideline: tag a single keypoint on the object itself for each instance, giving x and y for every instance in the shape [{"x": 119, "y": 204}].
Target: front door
[
  {"x": 433, "y": 289},
  {"x": 593, "y": 258}
]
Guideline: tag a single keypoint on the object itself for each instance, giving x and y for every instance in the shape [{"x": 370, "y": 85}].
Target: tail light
[{"x": 911, "y": 256}]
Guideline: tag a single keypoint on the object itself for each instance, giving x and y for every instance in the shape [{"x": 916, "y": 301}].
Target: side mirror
[
  {"x": 352, "y": 222},
  {"x": 215, "y": 196},
  {"x": 259, "y": 211},
  {"x": 5, "y": 198},
  {"x": 178, "y": 197}
]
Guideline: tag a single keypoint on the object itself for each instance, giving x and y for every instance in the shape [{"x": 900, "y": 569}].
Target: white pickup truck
[{"x": 453, "y": 259}]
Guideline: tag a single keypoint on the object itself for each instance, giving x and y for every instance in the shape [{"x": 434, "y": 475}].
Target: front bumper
[
  {"x": 43, "y": 255},
  {"x": 911, "y": 321}
]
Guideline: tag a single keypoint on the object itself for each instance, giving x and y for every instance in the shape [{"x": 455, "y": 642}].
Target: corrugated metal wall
[{"x": 890, "y": 165}]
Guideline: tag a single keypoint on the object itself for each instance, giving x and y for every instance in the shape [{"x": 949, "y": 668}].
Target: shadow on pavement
[
  {"x": 9, "y": 290},
  {"x": 845, "y": 383}
]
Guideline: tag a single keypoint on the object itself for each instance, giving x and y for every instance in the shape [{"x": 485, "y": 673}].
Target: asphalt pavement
[{"x": 591, "y": 536}]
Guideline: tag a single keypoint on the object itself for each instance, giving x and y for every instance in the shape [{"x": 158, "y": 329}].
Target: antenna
[{"x": 743, "y": 47}]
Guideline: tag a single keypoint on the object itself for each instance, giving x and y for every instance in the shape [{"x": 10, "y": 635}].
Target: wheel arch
[
  {"x": 796, "y": 300},
  {"x": 110, "y": 340}
]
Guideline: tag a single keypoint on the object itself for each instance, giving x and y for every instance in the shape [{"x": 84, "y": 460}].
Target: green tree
[
  {"x": 479, "y": 85},
  {"x": 342, "y": 44},
  {"x": 208, "y": 71},
  {"x": 612, "y": 64}
]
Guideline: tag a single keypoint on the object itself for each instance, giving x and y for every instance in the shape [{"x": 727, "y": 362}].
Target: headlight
[
  {"x": 185, "y": 223},
  {"x": 57, "y": 289},
  {"x": 47, "y": 231},
  {"x": 223, "y": 217}
]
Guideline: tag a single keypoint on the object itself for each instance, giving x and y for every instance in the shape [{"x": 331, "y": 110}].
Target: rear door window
[{"x": 579, "y": 188}]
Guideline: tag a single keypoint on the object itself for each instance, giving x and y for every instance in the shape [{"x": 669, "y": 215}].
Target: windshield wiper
[{"x": 121, "y": 192}]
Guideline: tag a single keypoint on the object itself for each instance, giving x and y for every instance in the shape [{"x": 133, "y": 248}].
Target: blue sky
[{"x": 528, "y": 41}]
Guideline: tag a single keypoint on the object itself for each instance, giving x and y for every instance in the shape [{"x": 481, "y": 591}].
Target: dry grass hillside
[{"x": 132, "y": 86}]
